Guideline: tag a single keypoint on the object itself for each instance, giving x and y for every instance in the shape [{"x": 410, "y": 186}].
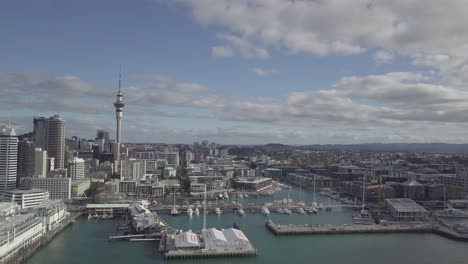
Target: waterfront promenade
[{"x": 26, "y": 253}]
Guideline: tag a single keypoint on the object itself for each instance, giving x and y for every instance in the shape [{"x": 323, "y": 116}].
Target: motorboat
[
  {"x": 190, "y": 212},
  {"x": 287, "y": 211},
  {"x": 265, "y": 210},
  {"x": 314, "y": 210},
  {"x": 218, "y": 211},
  {"x": 197, "y": 211},
  {"x": 241, "y": 212},
  {"x": 280, "y": 211},
  {"x": 174, "y": 211},
  {"x": 301, "y": 210}
]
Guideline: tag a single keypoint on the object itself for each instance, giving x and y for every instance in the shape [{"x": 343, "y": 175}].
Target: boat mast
[
  {"x": 204, "y": 209},
  {"x": 364, "y": 191},
  {"x": 314, "y": 188}
]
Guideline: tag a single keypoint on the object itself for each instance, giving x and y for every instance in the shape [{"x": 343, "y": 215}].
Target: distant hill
[{"x": 398, "y": 147}]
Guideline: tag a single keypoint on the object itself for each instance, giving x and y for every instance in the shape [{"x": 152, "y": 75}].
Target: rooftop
[
  {"x": 405, "y": 205},
  {"x": 25, "y": 191}
]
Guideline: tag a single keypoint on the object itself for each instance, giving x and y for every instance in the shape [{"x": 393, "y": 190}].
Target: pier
[
  {"x": 307, "y": 229},
  {"x": 26, "y": 253},
  {"x": 313, "y": 229},
  {"x": 201, "y": 254}
]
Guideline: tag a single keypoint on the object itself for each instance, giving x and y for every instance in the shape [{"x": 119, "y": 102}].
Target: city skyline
[{"x": 233, "y": 72}]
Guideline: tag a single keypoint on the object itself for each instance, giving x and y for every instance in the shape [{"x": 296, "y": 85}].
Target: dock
[
  {"x": 201, "y": 254},
  {"x": 308, "y": 229},
  {"x": 312, "y": 229}
]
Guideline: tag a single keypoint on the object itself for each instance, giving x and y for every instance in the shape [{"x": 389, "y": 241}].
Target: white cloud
[
  {"x": 261, "y": 72},
  {"x": 221, "y": 51},
  {"x": 426, "y": 31},
  {"x": 363, "y": 108},
  {"x": 243, "y": 46},
  {"x": 383, "y": 57}
]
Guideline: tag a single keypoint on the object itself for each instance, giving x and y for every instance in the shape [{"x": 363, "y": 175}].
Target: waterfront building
[
  {"x": 26, "y": 198},
  {"x": 26, "y": 159},
  {"x": 76, "y": 168},
  {"x": 53, "y": 212},
  {"x": 8, "y": 158},
  {"x": 306, "y": 180},
  {"x": 58, "y": 188},
  {"x": 187, "y": 240},
  {"x": 18, "y": 232},
  {"x": 49, "y": 134},
  {"x": 405, "y": 209},
  {"x": 252, "y": 184},
  {"x": 40, "y": 163},
  {"x": 272, "y": 173},
  {"x": 143, "y": 219},
  {"x": 79, "y": 187},
  {"x": 231, "y": 238}
]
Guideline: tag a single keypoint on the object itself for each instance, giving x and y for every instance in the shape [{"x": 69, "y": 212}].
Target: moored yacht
[
  {"x": 190, "y": 212},
  {"x": 218, "y": 211},
  {"x": 265, "y": 210}
]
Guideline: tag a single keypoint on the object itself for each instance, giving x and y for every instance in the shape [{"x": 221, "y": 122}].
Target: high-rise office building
[
  {"x": 25, "y": 165},
  {"x": 76, "y": 168},
  {"x": 49, "y": 134},
  {"x": 8, "y": 158},
  {"x": 119, "y": 105},
  {"x": 40, "y": 163},
  {"x": 102, "y": 134}
]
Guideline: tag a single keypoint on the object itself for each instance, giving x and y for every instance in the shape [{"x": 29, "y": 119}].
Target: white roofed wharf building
[
  {"x": 214, "y": 239},
  {"x": 187, "y": 240}
]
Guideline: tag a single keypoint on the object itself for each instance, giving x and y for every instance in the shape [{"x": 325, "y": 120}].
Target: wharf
[
  {"x": 202, "y": 253},
  {"x": 305, "y": 229},
  {"x": 26, "y": 253}
]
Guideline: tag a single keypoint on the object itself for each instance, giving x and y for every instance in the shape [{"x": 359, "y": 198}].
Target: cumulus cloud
[
  {"x": 383, "y": 57},
  {"x": 432, "y": 33},
  {"x": 368, "y": 108},
  {"x": 262, "y": 72},
  {"x": 221, "y": 51}
]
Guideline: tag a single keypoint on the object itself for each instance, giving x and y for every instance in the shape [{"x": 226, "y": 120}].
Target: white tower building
[
  {"x": 8, "y": 158},
  {"x": 119, "y": 105}
]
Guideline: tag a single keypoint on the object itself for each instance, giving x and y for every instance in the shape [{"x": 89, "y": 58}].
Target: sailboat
[
  {"x": 314, "y": 203},
  {"x": 286, "y": 210},
  {"x": 241, "y": 210},
  {"x": 174, "y": 210}
]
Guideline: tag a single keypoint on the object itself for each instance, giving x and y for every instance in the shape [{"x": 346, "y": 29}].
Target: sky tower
[{"x": 119, "y": 105}]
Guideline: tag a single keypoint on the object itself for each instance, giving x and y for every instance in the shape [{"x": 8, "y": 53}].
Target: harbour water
[{"x": 86, "y": 241}]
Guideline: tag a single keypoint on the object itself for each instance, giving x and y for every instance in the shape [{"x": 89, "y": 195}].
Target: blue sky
[{"x": 239, "y": 71}]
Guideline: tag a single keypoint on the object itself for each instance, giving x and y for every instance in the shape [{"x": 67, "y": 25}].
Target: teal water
[{"x": 86, "y": 242}]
